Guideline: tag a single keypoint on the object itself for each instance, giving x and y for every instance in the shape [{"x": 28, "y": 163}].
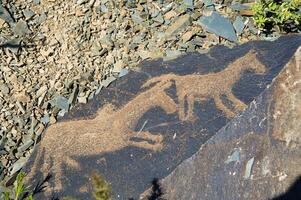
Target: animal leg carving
[
  {"x": 239, "y": 105},
  {"x": 220, "y": 105},
  {"x": 58, "y": 175},
  {"x": 181, "y": 98},
  {"x": 190, "y": 114},
  {"x": 167, "y": 103},
  {"x": 146, "y": 145},
  {"x": 149, "y": 136}
]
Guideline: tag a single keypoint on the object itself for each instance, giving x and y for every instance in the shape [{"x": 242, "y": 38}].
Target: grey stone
[
  {"x": 45, "y": 119},
  {"x": 6, "y": 16},
  {"x": 108, "y": 81},
  {"x": 238, "y": 25},
  {"x": 248, "y": 169},
  {"x": 18, "y": 165},
  {"x": 218, "y": 25},
  {"x": 234, "y": 157},
  {"x": 26, "y": 145},
  {"x": 21, "y": 28},
  {"x": 159, "y": 18},
  {"x": 188, "y": 3},
  {"x": 36, "y": 2},
  {"x": 60, "y": 102},
  {"x": 4, "y": 89},
  {"x": 171, "y": 54},
  {"x": 181, "y": 23},
  {"x": 137, "y": 18},
  {"x": 238, "y": 7},
  {"x": 28, "y": 14},
  {"x": 123, "y": 72}
]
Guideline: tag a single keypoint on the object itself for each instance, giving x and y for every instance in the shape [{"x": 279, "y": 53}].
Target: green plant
[
  {"x": 102, "y": 190},
  {"x": 281, "y": 13},
  {"x": 18, "y": 189}
]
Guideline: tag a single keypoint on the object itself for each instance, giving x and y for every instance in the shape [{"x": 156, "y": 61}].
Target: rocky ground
[{"x": 55, "y": 53}]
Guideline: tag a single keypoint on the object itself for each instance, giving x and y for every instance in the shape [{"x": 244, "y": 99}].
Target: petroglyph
[
  {"x": 210, "y": 86},
  {"x": 109, "y": 131}
]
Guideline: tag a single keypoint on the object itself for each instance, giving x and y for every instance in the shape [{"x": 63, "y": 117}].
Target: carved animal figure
[
  {"x": 212, "y": 85},
  {"x": 110, "y": 130}
]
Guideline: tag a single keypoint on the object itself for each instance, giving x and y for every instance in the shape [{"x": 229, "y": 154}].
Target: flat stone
[
  {"x": 170, "y": 14},
  {"x": 28, "y": 14},
  {"x": 21, "y": 28},
  {"x": 218, "y": 25},
  {"x": 238, "y": 25},
  {"x": 267, "y": 135},
  {"x": 180, "y": 23},
  {"x": 61, "y": 102},
  {"x": 4, "y": 89},
  {"x": 145, "y": 124},
  {"x": 36, "y": 2},
  {"x": 6, "y": 16},
  {"x": 187, "y": 36}
]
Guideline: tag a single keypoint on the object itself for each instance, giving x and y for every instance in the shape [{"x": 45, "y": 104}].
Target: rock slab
[
  {"x": 145, "y": 124},
  {"x": 256, "y": 155}
]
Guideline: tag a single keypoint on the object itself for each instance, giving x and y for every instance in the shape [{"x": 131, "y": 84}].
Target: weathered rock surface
[
  {"x": 145, "y": 124},
  {"x": 256, "y": 155}
]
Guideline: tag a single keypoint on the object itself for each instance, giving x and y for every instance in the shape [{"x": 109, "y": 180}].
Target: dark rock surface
[
  {"x": 255, "y": 156},
  {"x": 146, "y": 123}
]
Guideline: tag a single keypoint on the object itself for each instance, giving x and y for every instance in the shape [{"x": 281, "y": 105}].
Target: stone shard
[
  {"x": 21, "y": 28},
  {"x": 268, "y": 136},
  {"x": 218, "y": 25},
  {"x": 5, "y": 15},
  {"x": 182, "y": 22},
  {"x": 132, "y": 128},
  {"x": 238, "y": 25}
]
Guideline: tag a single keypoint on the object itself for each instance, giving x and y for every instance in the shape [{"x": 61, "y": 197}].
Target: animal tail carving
[{"x": 160, "y": 79}]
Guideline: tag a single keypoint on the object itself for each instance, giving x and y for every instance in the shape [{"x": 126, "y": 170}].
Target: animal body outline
[
  {"x": 212, "y": 85},
  {"x": 110, "y": 130}
]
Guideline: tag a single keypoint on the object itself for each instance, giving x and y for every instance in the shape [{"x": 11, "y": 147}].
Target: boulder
[
  {"x": 256, "y": 155},
  {"x": 148, "y": 122}
]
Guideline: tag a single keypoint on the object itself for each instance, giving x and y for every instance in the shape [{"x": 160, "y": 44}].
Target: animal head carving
[{"x": 253, "y": 63}]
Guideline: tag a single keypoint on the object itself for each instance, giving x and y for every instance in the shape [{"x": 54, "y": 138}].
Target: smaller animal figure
[
  {"x": 110, "y": 130},
  {"x": 212, "y": 85}
]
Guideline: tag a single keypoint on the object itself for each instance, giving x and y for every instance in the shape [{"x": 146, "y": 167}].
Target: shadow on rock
[{"x": 293, "y": 193}]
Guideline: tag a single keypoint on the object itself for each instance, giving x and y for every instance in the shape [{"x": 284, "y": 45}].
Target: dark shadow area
[
  {"x": 38, "y": 188},
  {"x": 14, "y": 46},
  {"x": 156, "y": 191},
  {"x": 293, "y": 193}
]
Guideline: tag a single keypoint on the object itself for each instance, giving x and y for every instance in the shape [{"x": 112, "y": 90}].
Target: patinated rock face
[
  {"x": 256, "y": 155},
  {"x": 148, "y": 122}
]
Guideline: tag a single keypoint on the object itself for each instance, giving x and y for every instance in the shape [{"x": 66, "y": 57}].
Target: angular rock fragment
[
  {"x": 181, "y": 23},
  {"x": 5, "y": 15},
  {"x": 21, "y": 28},
  {"x": 218, "y": 25},
  {"x": 238, "y": 25},
  {"x": 60, "y": 102}
]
